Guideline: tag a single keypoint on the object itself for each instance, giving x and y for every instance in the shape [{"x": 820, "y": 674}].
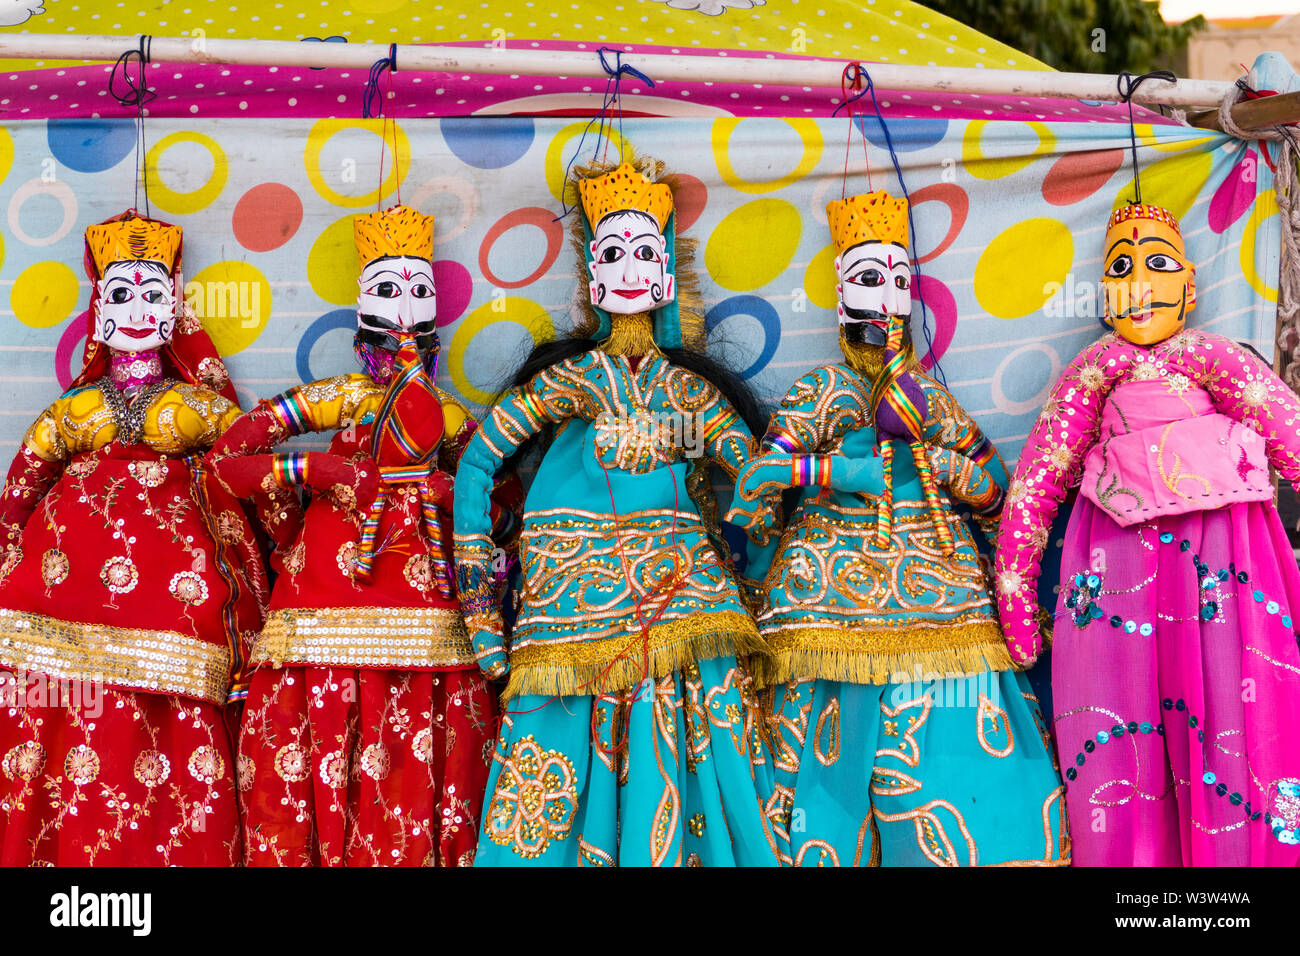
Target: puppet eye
[
  {"x": 385, "y": 290},
  {"x": 421, "y": 291},
  {"x": 1121, "y": 266},
  {"x": 611, "y": 254},
  {"x": 153, "y": 296},
  {"x": 871, "y": 278},
  {"x": 120, "y": 295},
  {"x": 645, "y": 253},
  {"x": 902, "y": 282},
  {"x": 1163, "y": 263}
]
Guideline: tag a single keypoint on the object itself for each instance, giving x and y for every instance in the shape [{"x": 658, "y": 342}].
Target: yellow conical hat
[
  {"x": 399, "y": 231},
  {"x": 133, "y": 239},
  {"x": 624, "y": 189},
  {"x": 869, "y": 217}
]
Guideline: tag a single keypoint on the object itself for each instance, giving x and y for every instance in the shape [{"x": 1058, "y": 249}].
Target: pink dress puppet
[{"x": 1175, "y": 672}]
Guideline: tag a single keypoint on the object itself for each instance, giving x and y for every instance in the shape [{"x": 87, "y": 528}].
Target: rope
[
  {"x": 1286, "y": 185},
  {"x": 372, "y": 107}
]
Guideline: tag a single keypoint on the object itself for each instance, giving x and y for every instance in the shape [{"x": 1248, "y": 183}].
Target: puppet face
[
  {"x": 396, "y": 299},
  {"x": 629, "y": 267},
  {"x": 1148, "y": 283},
  {"x": 875, "y": 282},
  {"x": 136, "y": 309}
]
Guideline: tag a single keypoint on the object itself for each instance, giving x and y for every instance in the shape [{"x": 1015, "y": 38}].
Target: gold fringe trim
[
  {"x": 132, "y": 658},
  {"x": 611, "y": 664},
  {"x": 404, "y": 638},
  {"x": 885, "y": 656},
  {"x": 631, "y": 335}
]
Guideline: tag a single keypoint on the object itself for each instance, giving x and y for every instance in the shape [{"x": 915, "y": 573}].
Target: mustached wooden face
[
  {"x": 136, "y": 307},
  {"x": 875, "y": 282},
  {"x": 396, "y": 294},
  {"x": 629, "y": 264},
  {"x": 1148, "y": 283}
]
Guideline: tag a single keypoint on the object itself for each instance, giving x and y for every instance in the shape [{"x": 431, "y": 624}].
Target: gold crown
[
  {"x": 399, "y": 231},
  {"x": 869, "y": 217},
  {"x": 625, "y": 189},
  {"x": 1144, "y": 211},
  {"x": 134, "y": 239}
]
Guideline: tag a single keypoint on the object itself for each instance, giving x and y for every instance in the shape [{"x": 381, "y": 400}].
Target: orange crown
[
  {"x": 399, "y": 231},
  {"x": 133, "y": 240},
  {"x": 869, "y": 217},
  {"x": 625, "y": 189},
  {"x": 1144, "y": 211}
]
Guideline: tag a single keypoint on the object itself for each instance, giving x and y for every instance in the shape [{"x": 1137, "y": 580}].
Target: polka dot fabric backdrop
[
  {"x": 884, "y": 31},
  {"x": 1009, "y": 218}
]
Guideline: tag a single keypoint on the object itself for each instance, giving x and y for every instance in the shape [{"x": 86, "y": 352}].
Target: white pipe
[{"x": 757, "y": 71}]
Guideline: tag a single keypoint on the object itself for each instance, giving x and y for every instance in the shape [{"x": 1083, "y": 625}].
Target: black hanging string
[
  {"x": 1127, "y": 85},
  {"x": 612, "y": 100},
  {"x": 134, "y": 92},
  {"x": 372, "y": 99},
  {"x": 859, "y": 74}
]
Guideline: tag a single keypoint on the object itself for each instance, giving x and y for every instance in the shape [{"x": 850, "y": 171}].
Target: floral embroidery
[
  {"x": 419, "y": 572},
  {"x": 212, "y": 373},
  {"x": 25, "y": 762},
  {"x": 296, "y": 558},
  {"x": 375, "y": 761},
  {"x": 229, "y": 527},
  {"x": 81, "y": 765},
  {"x": 347, "y": 559},
  {"x": 205, "y": 764},
  {"x": 535, "y": 800},
  {"x": 1254, "y": 393},
  {"x": 188, "y": 588},
  {"x": 54, "y": 567},
  {"x": 245, "y": 772},
  {"x": 119, "y": 575},
  {"x": 334, "y": 769},
  {"x": 13, "y": 555},
  {"x": 83, "y": 467},
  {"x": 150, "y": 474},
  {"x": 1092, "y": 377},
  {"x": 1009, "y": 582},
  {"x": 422, "y": 746},
  {"x": 152, "y": 768},
  {"x": 292, "y": 764}
]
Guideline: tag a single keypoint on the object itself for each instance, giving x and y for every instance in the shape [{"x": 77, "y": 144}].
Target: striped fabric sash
[
  {"x": 888, "y": 391},
  {"x": 410, "y": 373}
]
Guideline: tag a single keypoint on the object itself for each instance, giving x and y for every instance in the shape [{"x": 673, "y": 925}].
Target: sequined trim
[
  {"x": 161, "y": 662},
  {"x": 403, "y": 638}
]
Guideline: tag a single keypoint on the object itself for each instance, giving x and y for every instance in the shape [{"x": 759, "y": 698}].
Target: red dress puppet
[
  {"x": 369, "y": 728},
  {"x": 130, "y": 589}
]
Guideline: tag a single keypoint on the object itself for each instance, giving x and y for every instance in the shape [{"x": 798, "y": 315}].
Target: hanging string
[
  {"x": 612, "y": 100},
  {"x": 1127, "y": 85},
  {"x": 869, "y": 89},
  {"x": 851, "y": 78},
  {"x": 372, "y": 107},
  {"x": 135, "y": 92}
]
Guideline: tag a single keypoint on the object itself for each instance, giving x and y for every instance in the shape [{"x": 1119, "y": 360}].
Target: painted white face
[
  {"x": 136, "y": 310},
  {"x": 629, "y": 268},
  {"x": 396, "y": 294},
  {"x": 875, "y": 282}
]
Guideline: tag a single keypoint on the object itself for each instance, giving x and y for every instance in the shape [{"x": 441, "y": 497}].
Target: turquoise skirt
[
  {"x": 673, "y": 771},
  {"x": 954, "y": 772}
]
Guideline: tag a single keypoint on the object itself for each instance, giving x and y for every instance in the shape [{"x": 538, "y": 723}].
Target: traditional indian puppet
[
  {"x": 368, "y": 729},
  {"x": 131, "y": 586},
  {"x": 1175, "y": 673},
  {"x": 902, "y": 734},
  {"x": 631, "y": 734}
]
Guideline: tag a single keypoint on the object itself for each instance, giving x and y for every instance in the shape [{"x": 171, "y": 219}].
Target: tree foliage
[{"x": 1063, "y": 33}]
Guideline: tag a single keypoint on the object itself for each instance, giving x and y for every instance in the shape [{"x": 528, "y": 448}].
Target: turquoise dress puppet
[
  {"x": 902, "y": 735},
  {"x": 631, "y": 734}
]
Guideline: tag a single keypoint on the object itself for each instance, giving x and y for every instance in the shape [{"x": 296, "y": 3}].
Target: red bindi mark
[
  {"x": 627, "y": 233},
  {"x": 139, "y": 276},
  {"x": 1135, "y": 233},
  {"x": 406, "y": 274}
]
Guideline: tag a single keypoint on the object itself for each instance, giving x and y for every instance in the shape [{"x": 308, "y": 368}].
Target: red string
[{"x": 848, "y": 142}]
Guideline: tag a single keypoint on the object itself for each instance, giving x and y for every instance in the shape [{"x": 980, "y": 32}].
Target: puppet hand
[
  {"x": 758, "y": 519},
  {"x": 764, "y": 475},
  {"x": 255, "y": 431},
  {"x": 438, "y": 486},
  {"x": 863, "y": 476}
]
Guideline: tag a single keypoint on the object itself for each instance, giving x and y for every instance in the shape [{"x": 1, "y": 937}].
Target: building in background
[{"x": 1218, "y": 52}]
